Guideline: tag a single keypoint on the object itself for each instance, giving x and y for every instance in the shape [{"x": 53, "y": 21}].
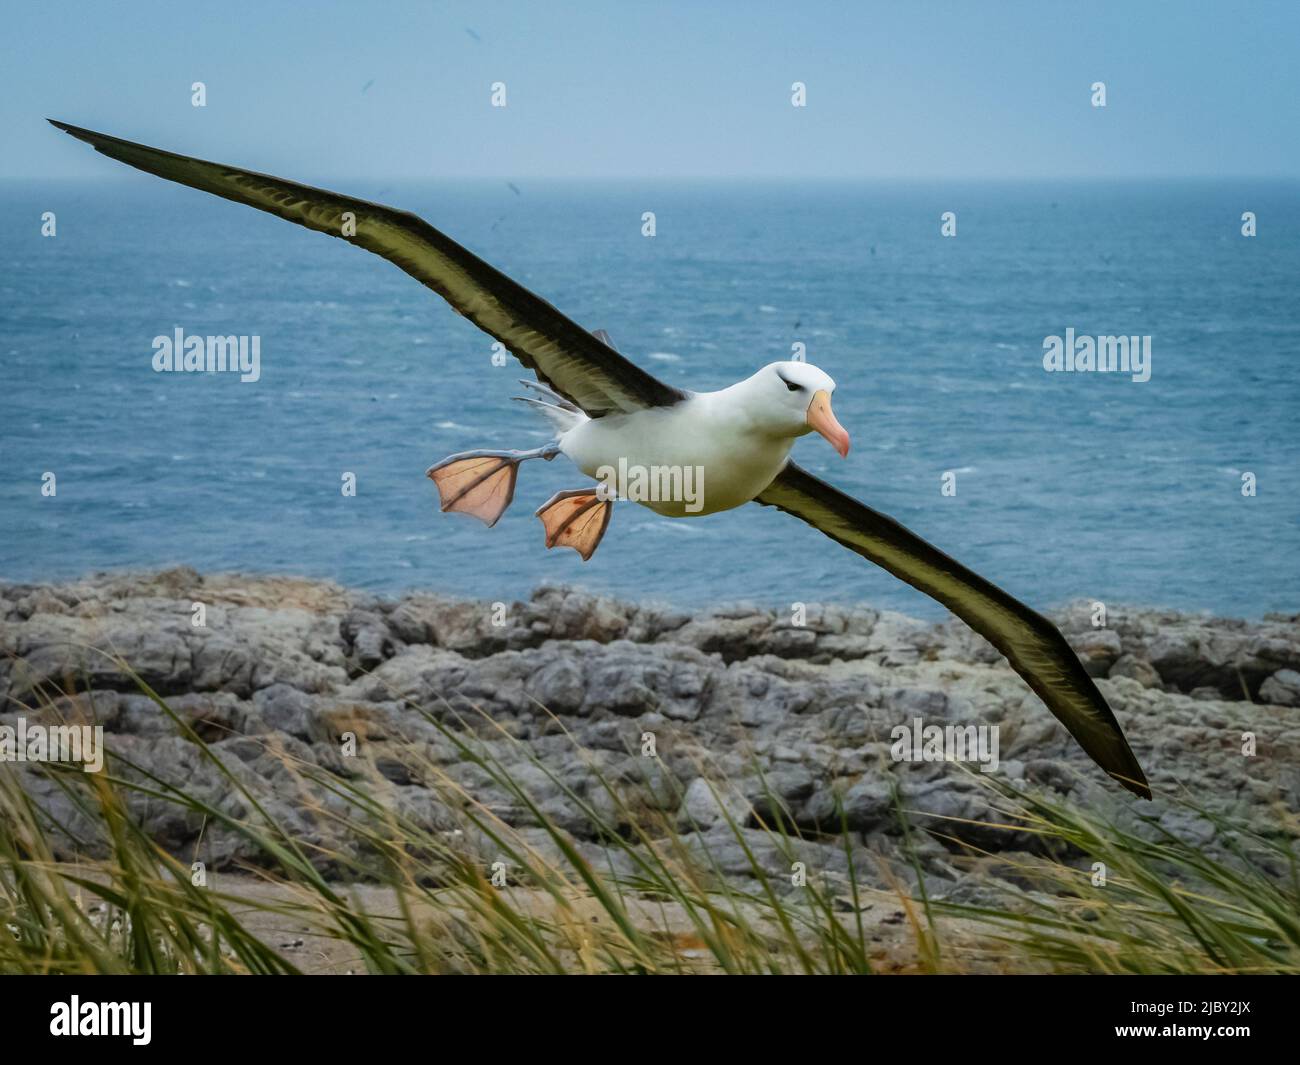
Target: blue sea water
[{"x": 1068, "y": 485}]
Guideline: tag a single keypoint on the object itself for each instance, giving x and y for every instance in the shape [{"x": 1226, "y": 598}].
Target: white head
[{"x": 794, "y": 398}]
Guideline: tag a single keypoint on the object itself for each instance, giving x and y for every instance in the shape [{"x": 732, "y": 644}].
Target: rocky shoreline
[{"x": 747, "y": 710}]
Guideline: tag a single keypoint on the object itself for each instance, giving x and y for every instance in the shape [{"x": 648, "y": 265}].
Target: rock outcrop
[{"x": 748, "y": 715}]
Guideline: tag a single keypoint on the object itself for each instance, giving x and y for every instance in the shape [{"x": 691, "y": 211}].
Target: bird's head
[{"x": 796, "y": 397}]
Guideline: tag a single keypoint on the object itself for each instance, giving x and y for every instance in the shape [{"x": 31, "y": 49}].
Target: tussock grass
[
  {"x": 1148, "y": 902},
  {"x": 653, "y": 901}
]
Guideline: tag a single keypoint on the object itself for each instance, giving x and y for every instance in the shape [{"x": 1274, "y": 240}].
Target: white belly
[{"x": 678, "y": 461}]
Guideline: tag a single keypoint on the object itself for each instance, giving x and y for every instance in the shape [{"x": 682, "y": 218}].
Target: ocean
[{"x": 1068, "y": 484}]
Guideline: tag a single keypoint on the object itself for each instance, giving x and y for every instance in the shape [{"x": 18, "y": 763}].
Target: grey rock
[
  {"x": 704, "y": 805},
  {"x": 862, "y": 807},
  {"x": 1097, "y": 650},
  {"x": 289, "y": 710},
  {"x": 1136, "y": 669},
  {"x": 792, "y": 721},
  {"x": 1282, "y": 688}
]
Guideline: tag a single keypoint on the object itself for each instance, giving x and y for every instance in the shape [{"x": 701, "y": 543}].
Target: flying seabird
[{"x": 607, "y": 410}]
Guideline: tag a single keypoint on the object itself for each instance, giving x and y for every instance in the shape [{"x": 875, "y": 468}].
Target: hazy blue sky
[{"x": 662, "y": 89}]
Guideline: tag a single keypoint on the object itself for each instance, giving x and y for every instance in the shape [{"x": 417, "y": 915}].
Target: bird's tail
[{"x": 560, "y": 412}]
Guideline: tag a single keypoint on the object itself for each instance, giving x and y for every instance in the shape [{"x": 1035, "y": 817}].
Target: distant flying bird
[
  {"x": 610, "y": 414},
  {"x": 366, "y": 86},
  {"x": 474, "y": 35}
]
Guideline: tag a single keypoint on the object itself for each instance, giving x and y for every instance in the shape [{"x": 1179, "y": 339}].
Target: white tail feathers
[{"x": 560, "y": 412}]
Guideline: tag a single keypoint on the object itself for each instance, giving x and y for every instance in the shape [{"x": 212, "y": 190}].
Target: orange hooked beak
[{"x": 822, "y": 419}]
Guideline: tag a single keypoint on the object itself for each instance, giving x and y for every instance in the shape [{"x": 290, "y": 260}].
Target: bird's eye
[{"x": 792, "y": 386}]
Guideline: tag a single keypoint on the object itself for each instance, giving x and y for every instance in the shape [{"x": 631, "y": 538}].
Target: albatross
[{"x": 607, "y": 411}]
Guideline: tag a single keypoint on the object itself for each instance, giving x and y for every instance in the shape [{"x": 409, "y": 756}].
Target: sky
[{"x": 662, "y": 90}]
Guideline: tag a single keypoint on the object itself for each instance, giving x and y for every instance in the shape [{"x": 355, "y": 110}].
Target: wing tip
[
  {"x": 87, "y": 135},
  {"x": 1136, "y": 784}
]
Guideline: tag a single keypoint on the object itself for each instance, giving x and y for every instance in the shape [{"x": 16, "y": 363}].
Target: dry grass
[{"x": 424, "y": 901}]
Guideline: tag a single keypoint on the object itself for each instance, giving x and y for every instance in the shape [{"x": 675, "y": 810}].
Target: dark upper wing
[
  {"x": 562, "y": 354},
  {"x": 1032, "y": 644}
]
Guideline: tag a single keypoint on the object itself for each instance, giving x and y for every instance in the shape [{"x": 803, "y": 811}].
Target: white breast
[{"x": 701, "y": 450}]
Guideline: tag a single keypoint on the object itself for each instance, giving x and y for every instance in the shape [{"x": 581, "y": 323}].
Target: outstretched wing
[
  {"x": 581, "y": 367},
  {"x": 1031, "y": 643}
]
